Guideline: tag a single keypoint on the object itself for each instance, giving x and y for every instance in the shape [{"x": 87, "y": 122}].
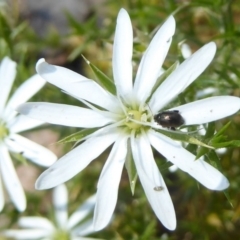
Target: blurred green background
[{"x": 27, "y": 34}]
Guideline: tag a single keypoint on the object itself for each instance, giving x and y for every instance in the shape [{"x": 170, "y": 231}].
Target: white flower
[
  {"x": 126, "y": 121},
  {"x": 64, "y": 229},
  {"x": 10, "y": 125}
]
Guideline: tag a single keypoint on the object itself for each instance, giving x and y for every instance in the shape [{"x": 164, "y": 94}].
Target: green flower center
[
  {"x": 133, "y": 116},
  {"x": 61, "y": 235},
  {"x": 3, "y": 130}
]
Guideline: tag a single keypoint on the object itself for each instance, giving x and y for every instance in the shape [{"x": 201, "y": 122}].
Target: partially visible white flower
[
  {"x": 126, "y": 121},
  {"x": 63, "y": 228},
  {"x": 206, "y": 92},
  {"x": 186, "y": 50},
  {"x": 10, "y": 125}
]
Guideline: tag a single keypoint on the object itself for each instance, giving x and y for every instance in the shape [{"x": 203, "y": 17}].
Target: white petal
[
  {"x": 152, "y": 180},
  {"x": 11, "y": 181},
  {"x": 1, "y": 191},
  {"x": 74, "y": 161},
  {"x": 186, "y": 50},
  {"x": 60, "y": 202},
  {"x": 208, "y": 109},
  {"x": 23, "y": 93},
  {"x": 203, "y": 172},
  {"x": 22, "y": 123},
  {"x": 108, "y": 184},
  {"x": 152, "y": 60},
  {"x": 31, "y": 150},
  {"x": 122, "y": 54},
  {"x": 84, "y": 229},
  {"x": 76, "y": 85},
  {"x": 81, "y": 212},
  {"x": 182, "y": 77},
  {"x": 29, "y": 234},
  {"x": 63, "y": 114},
  {"x": 36, "y": 222},
  {"x": 7, "y": 75}
]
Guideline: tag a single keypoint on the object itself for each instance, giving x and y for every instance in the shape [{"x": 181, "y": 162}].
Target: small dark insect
[
  {"x": 158, "y": 188},
  {"x": 169, "y": 119}
]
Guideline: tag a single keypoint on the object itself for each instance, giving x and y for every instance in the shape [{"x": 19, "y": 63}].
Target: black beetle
[{"x": 169, "y": 119}]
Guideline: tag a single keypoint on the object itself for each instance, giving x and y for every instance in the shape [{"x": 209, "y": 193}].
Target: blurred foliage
[{"x": 201, "y": 214}]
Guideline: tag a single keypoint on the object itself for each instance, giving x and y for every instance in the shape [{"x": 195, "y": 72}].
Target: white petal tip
[
  {"x": 171, "y": 227},
  {"x": 210, "y": 48},
  {"x": 40, "y": 63},
  {"x": 41, "y": 60},
  {"x": 123, "y": 15},
  {"x": 39, "y": 184},
  {"x": 224, "y": 184},
  {"x": 22, "y": 208},
  {"x": 123, "y": 11}
]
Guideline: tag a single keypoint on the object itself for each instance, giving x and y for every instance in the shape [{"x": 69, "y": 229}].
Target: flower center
[
  {"x": 3, "y": 130},
  {"x": 61, "y": 235},
  {"x": 134, "y": 115}
]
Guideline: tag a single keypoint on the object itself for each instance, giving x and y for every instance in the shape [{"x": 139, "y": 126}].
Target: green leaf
[
  {"x": 131, "y": 169},
  {"x": 184, "y": 137},
  {"x": 78, "y": 136},
  {"x": 77, "y": 51},
  {"x": 201, "y": 151},
  {"x": 214, "y": 159},
  {"x": 210, "y": 130},
  {"x": 18, "y": 30},
  {"x": 103, "y": 79},
  {"x": 5, "y": 30},
  {"x": 228, "y": 197},
  {"x": 232, "y": 143},
  {"x": 220, "y": 141},
  {"x": 165, "y": 166},
  {"x": 222, "y": 130},
  {"x": 149, "y": 231}
]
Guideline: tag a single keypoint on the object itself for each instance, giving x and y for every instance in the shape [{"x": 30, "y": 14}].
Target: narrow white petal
[
  {"x": 74, "y": 161},
  {"x": 11, "y": 181},
  {"x": 182, "y": 77},
  {"x": 63, "y": 114},
  {"x": 23, "y": 93},
  {"x": 152, "y": 182},
  {"x": 81, "y": 212},
  {"x": 31, "y": 150},
  {"x": 208, "y": 109},
  {"x": 36, "y": 222},
  {"x": 1, "y": 191},
  {"x": 22, "y": 123},
  {"x": 7, "y": 76},
  {"x": 29, "y": 234},
  {"x": 60, "y": 203},
  {"x": 203, "y": 172},
  {"x": 152, "y": 60},
  {"x": 77, "y": 85},
  {"x": 122, "y": 54},
  {"x": 108, "y": 184}
]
